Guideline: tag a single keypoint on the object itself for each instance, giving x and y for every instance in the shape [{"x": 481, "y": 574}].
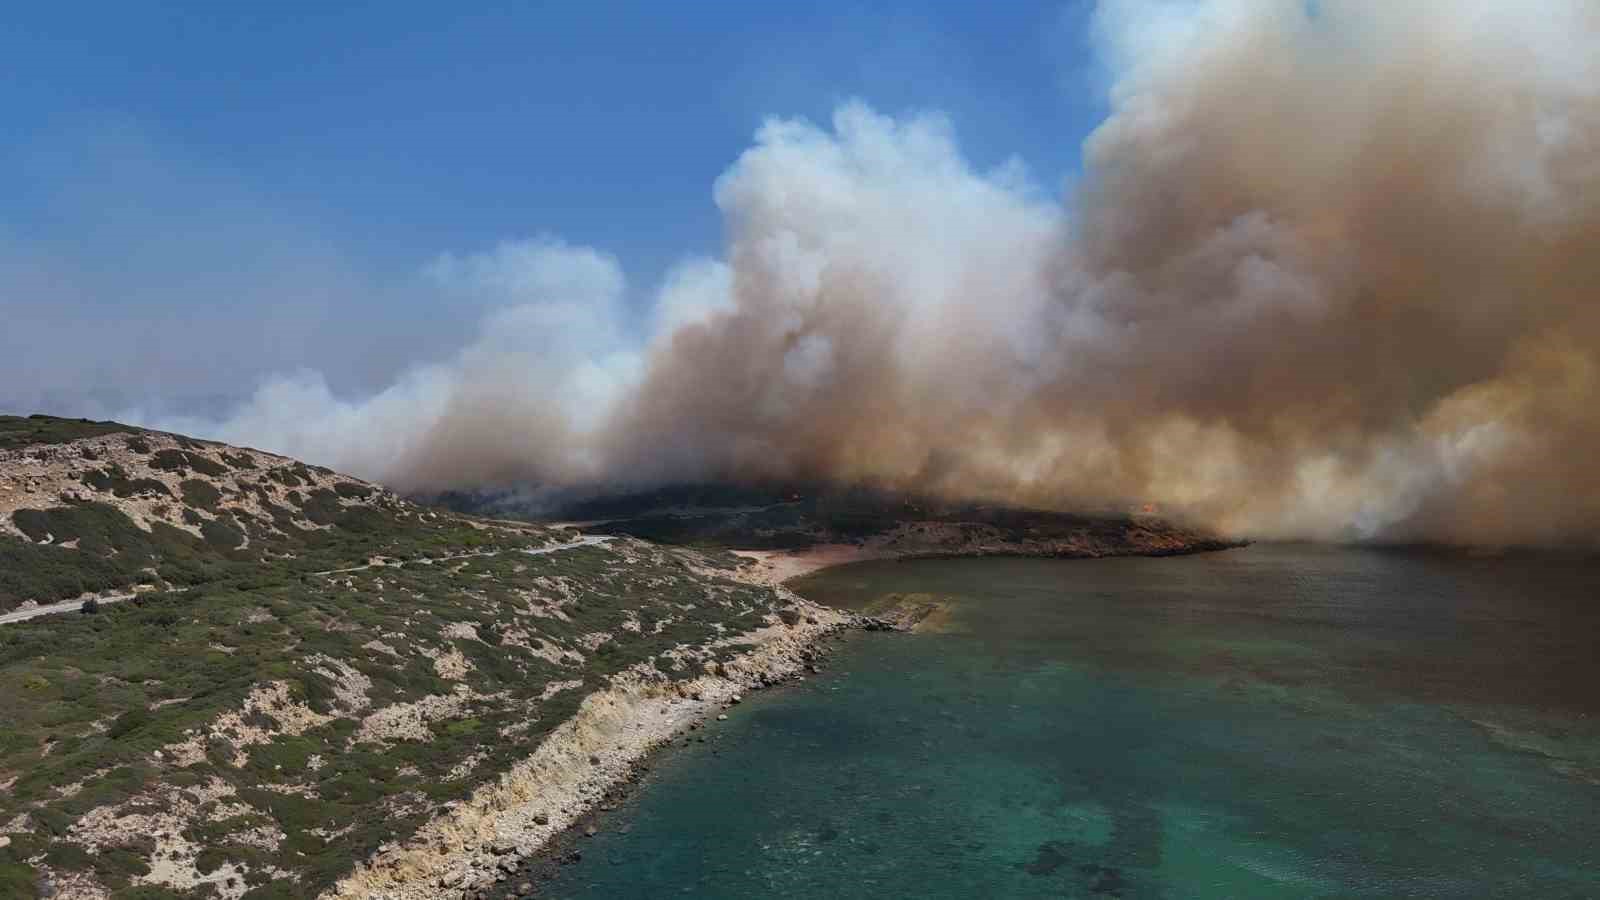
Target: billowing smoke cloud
[
  {"x": 521, "y": 401},
  {"x": 1331, "y": 270}
]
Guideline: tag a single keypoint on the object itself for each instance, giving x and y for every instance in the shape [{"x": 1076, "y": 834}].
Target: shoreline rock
[{"x": 503, "y": 827}]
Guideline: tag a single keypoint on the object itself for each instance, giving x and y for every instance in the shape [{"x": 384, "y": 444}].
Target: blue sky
[{"x": 256, "y": 167}]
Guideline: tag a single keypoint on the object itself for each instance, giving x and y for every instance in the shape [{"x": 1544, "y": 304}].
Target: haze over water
[{"x": 1277, "y": 721}]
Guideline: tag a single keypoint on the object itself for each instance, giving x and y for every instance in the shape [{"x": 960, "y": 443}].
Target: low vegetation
[
  {"x": 152, "y": 511},
  {"x": 30, "y": 431},
  {"x": 893, "y": 523},
  {"x": 108, "y": 709},
  {"x": 312, "y": 668}
]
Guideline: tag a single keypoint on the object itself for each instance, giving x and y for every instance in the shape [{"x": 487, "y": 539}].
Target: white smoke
[{"x": 1328, "y": 272}]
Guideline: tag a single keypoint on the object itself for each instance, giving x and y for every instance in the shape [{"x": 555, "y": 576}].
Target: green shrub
[
  {"x": 238, "y": 460},
  {"x": 48, "y": 573},
  {"x": 323, "y": 507},
  {"x": 99, "y": 479},
  {"x": 170, "y": 460},
  {"x": 128, "y": 722},
  {"x": 116, "y": 866},
  {"x": 115, "y": 479},
  {"x": 17, "y": 880},
  {"x": 202, "y": 494},
  {"x": 205, "y": 465},
  {"x": 17, "y": 431},
  {"x": 210, "y": 860},
  {"x": 111, "y": 552},
  {"x": 222, "y": 533},
  {"x": 285, "y": 477}
]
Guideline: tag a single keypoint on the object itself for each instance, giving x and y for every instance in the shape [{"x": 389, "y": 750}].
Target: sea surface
[{"x": 1275, "y": 721}]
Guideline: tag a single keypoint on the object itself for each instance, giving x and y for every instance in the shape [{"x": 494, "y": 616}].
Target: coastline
[
  {"x": 508, "y": 831},
  {"x": 775, "y": 568},
  {"x": 503, "y": 826}
]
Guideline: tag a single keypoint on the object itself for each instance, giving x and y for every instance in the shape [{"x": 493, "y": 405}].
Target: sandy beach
[{"x": 774, "y": 567}]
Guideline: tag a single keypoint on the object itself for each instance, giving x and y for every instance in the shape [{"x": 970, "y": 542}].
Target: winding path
[{"x": 23, "y": 615}]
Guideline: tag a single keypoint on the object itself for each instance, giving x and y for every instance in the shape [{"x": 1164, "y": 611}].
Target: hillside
[
  {"x": 297, "y": 683},
  {"x": 95, "y": 507},
  {"x": 864, "y": 523}
]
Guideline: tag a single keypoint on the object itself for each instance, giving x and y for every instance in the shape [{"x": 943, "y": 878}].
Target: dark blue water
[{"x": 1270, "y": 722}]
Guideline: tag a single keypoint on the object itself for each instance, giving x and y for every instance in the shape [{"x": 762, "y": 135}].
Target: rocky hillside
[
  {"x": 295, "y": 683},
  {"x": 88, "y": 507}
]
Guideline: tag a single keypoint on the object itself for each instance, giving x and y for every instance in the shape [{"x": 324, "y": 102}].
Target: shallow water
[{"x": 1269, "y": 722}]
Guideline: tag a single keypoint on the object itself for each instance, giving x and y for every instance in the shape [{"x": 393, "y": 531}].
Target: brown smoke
[
  {"x": 1332, "y": 270},
  {"x": 1329, "y": 272}
]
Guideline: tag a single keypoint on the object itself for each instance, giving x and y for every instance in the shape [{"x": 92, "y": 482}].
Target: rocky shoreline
[
  {"x": 521, "y": 877},
  {"x": 511, "y": 836},
  {"x": 510, "y": 831}
]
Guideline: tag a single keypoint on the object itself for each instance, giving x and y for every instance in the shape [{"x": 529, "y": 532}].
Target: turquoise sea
[{"x": 1275, "y": 721}]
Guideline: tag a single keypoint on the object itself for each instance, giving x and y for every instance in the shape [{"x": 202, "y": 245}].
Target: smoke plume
[{"x": 1331, "y": 270}]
